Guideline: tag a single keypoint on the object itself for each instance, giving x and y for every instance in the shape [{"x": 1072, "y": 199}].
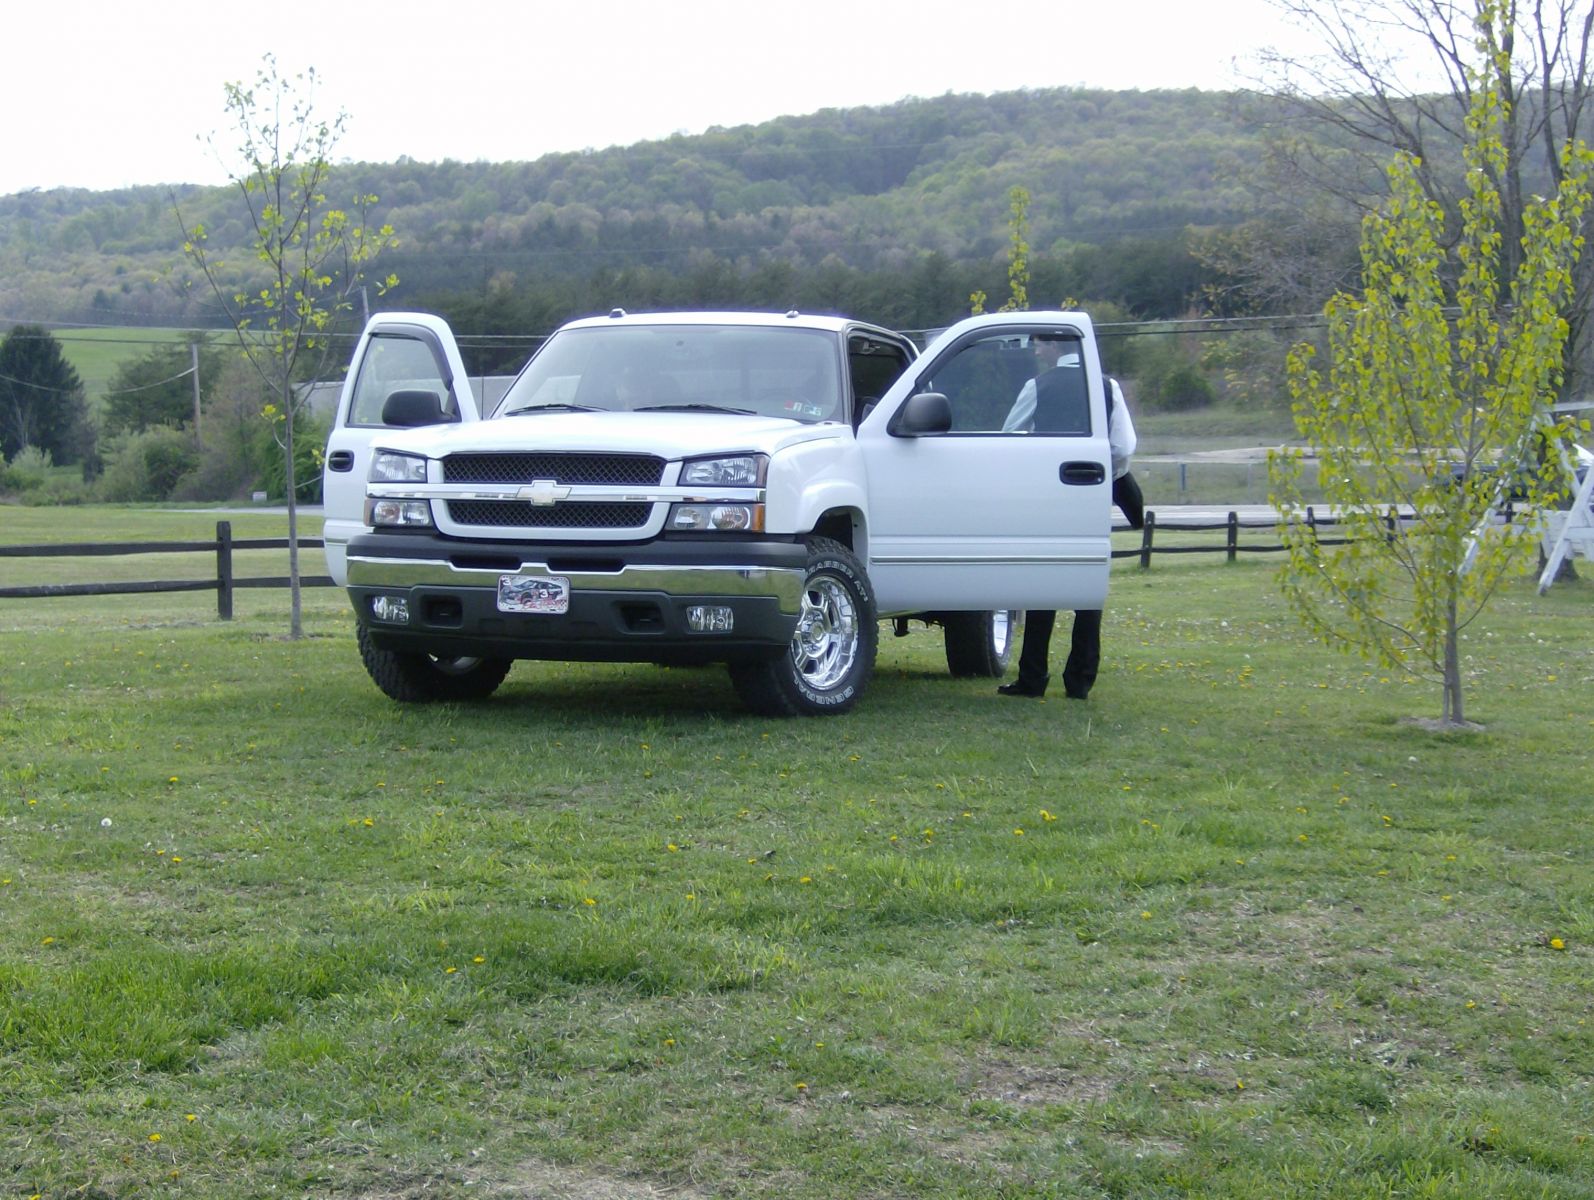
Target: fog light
[
  {"x": 393, "y": 609},
  {"x": 710, "y": 618}
]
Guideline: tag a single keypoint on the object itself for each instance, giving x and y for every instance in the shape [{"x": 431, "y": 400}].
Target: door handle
[
  {"x": 340, "y": 460},
  {"x": 1082, "y": 473}
]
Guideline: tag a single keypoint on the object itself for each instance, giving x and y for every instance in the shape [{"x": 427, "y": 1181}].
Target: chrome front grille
[
  {"x": 568, "y": 514},
  {"x": 615, "y": 469}
]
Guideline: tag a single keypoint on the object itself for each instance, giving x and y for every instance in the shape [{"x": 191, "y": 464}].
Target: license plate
[{"x": 533, "y": 594}]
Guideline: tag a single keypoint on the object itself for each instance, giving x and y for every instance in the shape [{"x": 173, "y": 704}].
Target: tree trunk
[
  {"x": 1453, "y": 712},
  {"x": 295, "y": 600}
]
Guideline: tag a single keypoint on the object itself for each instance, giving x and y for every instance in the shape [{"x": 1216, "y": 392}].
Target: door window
[
  {"x": 1029, "y": 383},
  {"x": 874, "y": 364},
  {"x": 393, "y": 363}
]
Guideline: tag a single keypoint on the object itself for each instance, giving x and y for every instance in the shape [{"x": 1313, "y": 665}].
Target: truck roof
[{"x": 799, "y": 320}]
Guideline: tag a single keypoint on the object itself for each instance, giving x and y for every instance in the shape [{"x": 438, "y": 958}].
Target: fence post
[
  {"x": 1234, "y": 533},
  {"x": 1145, "y": 540},
  {"x": 224, "y": 570}
]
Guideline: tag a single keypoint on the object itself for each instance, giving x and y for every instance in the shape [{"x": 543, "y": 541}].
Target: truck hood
[{"x": 672, "y": 435}]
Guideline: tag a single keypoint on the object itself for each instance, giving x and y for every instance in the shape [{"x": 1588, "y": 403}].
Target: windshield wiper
[
  {"x": 526, "y": 408},
  {"x": 745, "y": 412}
]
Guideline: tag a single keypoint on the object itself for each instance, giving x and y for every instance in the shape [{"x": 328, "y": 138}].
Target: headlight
[
  {"x": 382, "y": 513},
  {"x": 718, "y": 518},
  {"x": 389, "y": 466},
  {"x": 742, "y": 470}
]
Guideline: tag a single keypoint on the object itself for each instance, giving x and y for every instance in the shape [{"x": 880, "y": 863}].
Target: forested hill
[{"x": 864, "y": 189}]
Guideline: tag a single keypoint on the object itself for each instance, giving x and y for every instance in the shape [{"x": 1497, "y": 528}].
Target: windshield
[{"x": 771, "y": 371}]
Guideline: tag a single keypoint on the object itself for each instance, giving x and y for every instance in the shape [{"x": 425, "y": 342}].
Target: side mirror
[
  {"x": 921, "y": 415},
  {"x": 409, "y": 409}
]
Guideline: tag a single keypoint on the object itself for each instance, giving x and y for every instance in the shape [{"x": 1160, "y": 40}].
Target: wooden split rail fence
[{"x": 226, "y": 581}]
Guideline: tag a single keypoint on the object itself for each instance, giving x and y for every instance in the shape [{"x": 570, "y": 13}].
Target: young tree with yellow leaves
[
  {"x": 310, "y": 256},
  {"x": 1440, "y": 374}
]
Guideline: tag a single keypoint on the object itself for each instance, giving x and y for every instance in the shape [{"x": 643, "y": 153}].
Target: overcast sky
[{"x": 100, "y": 95}]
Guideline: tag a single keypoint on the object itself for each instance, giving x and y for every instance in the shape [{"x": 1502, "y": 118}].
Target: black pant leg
[
  {"x": 1032, "y": 659},
  {"x": 1084, "y": 653}
]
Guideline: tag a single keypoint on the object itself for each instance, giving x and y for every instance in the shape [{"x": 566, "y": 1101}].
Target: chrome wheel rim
[
  {"x": 825, "y": 644},
  {"x": 1001, "y": 631}
]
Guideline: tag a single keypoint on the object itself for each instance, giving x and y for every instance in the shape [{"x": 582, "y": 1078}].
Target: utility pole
[{"x": 193, "y": 357}]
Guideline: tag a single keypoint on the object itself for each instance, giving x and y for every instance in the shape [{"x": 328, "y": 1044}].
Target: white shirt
[{"x": 1120, "y": 430}]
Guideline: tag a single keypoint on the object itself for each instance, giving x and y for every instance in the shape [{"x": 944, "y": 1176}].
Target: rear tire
[
  {"x": 832, "y": 652},
  {"x": 980, "y": 644},
  {"x": 426, "y": 678}
]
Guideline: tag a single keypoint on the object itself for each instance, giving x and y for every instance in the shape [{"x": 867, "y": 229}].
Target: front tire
[
  {"x": 426, "y": 678},
  {"x": 832, "y": 652},
  {"x": 980, "y": 644}
]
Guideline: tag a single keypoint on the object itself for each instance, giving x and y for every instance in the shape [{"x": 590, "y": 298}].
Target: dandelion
[
  {"x": 450, "y": 970},
  {"x": 802, "y": 1087},
  {"x": 48, "y": 941},
  {"x": 588, "y": 901},
  {"x": 691, "y": 895},
  {"x": 479, "y": 959},
  {"x": 368, "y": 823},
  {"x": 1018, "y": 833},
  {"x": 173, "y": 779},
  {"x": 1145, "y": 914},
  {"x": 806, "y": 879},
  {"x": 669, "y": 1041},
  {"x": 1472, "y": 1004},
  {"x": 1046, "y": 816},
  {"x": 154, "y": 1137},
  {"x": 1557, "y": 944},
  {"x": 1301, "y": 837}
]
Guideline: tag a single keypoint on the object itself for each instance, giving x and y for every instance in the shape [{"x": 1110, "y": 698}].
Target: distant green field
[{"x": 97, "y": 353}]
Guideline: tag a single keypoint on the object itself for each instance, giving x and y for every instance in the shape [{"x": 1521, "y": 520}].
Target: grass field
[
  {"x": 97, "y": 353},
  {"x": 1229, "y": 929}
]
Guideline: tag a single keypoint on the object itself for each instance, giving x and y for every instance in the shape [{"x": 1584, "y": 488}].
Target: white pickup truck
[{"x": 747, "y": 488}]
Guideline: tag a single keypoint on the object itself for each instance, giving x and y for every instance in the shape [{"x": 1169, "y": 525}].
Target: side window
[
  {"x": 395, "y": 363},
  {"x": 1016, "y": 383},
  {"x": 873, "y": 365}
]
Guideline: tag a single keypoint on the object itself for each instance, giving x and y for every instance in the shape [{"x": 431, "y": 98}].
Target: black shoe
[
  {"x": 1020, "y": 688},
  {"x": 1075, "y": 694}
]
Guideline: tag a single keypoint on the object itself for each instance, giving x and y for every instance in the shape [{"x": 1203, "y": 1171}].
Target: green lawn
[{"x": 1229, "y": 929}]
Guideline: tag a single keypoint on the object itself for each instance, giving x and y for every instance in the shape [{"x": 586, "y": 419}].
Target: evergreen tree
[{"x": 41, "y": 398}]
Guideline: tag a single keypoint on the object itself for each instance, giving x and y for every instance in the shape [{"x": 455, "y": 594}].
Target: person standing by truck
[{"x": 1048, "y": 404}]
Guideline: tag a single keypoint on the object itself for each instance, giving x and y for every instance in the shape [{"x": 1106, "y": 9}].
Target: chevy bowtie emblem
[{"x": 543, "y": 492}]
